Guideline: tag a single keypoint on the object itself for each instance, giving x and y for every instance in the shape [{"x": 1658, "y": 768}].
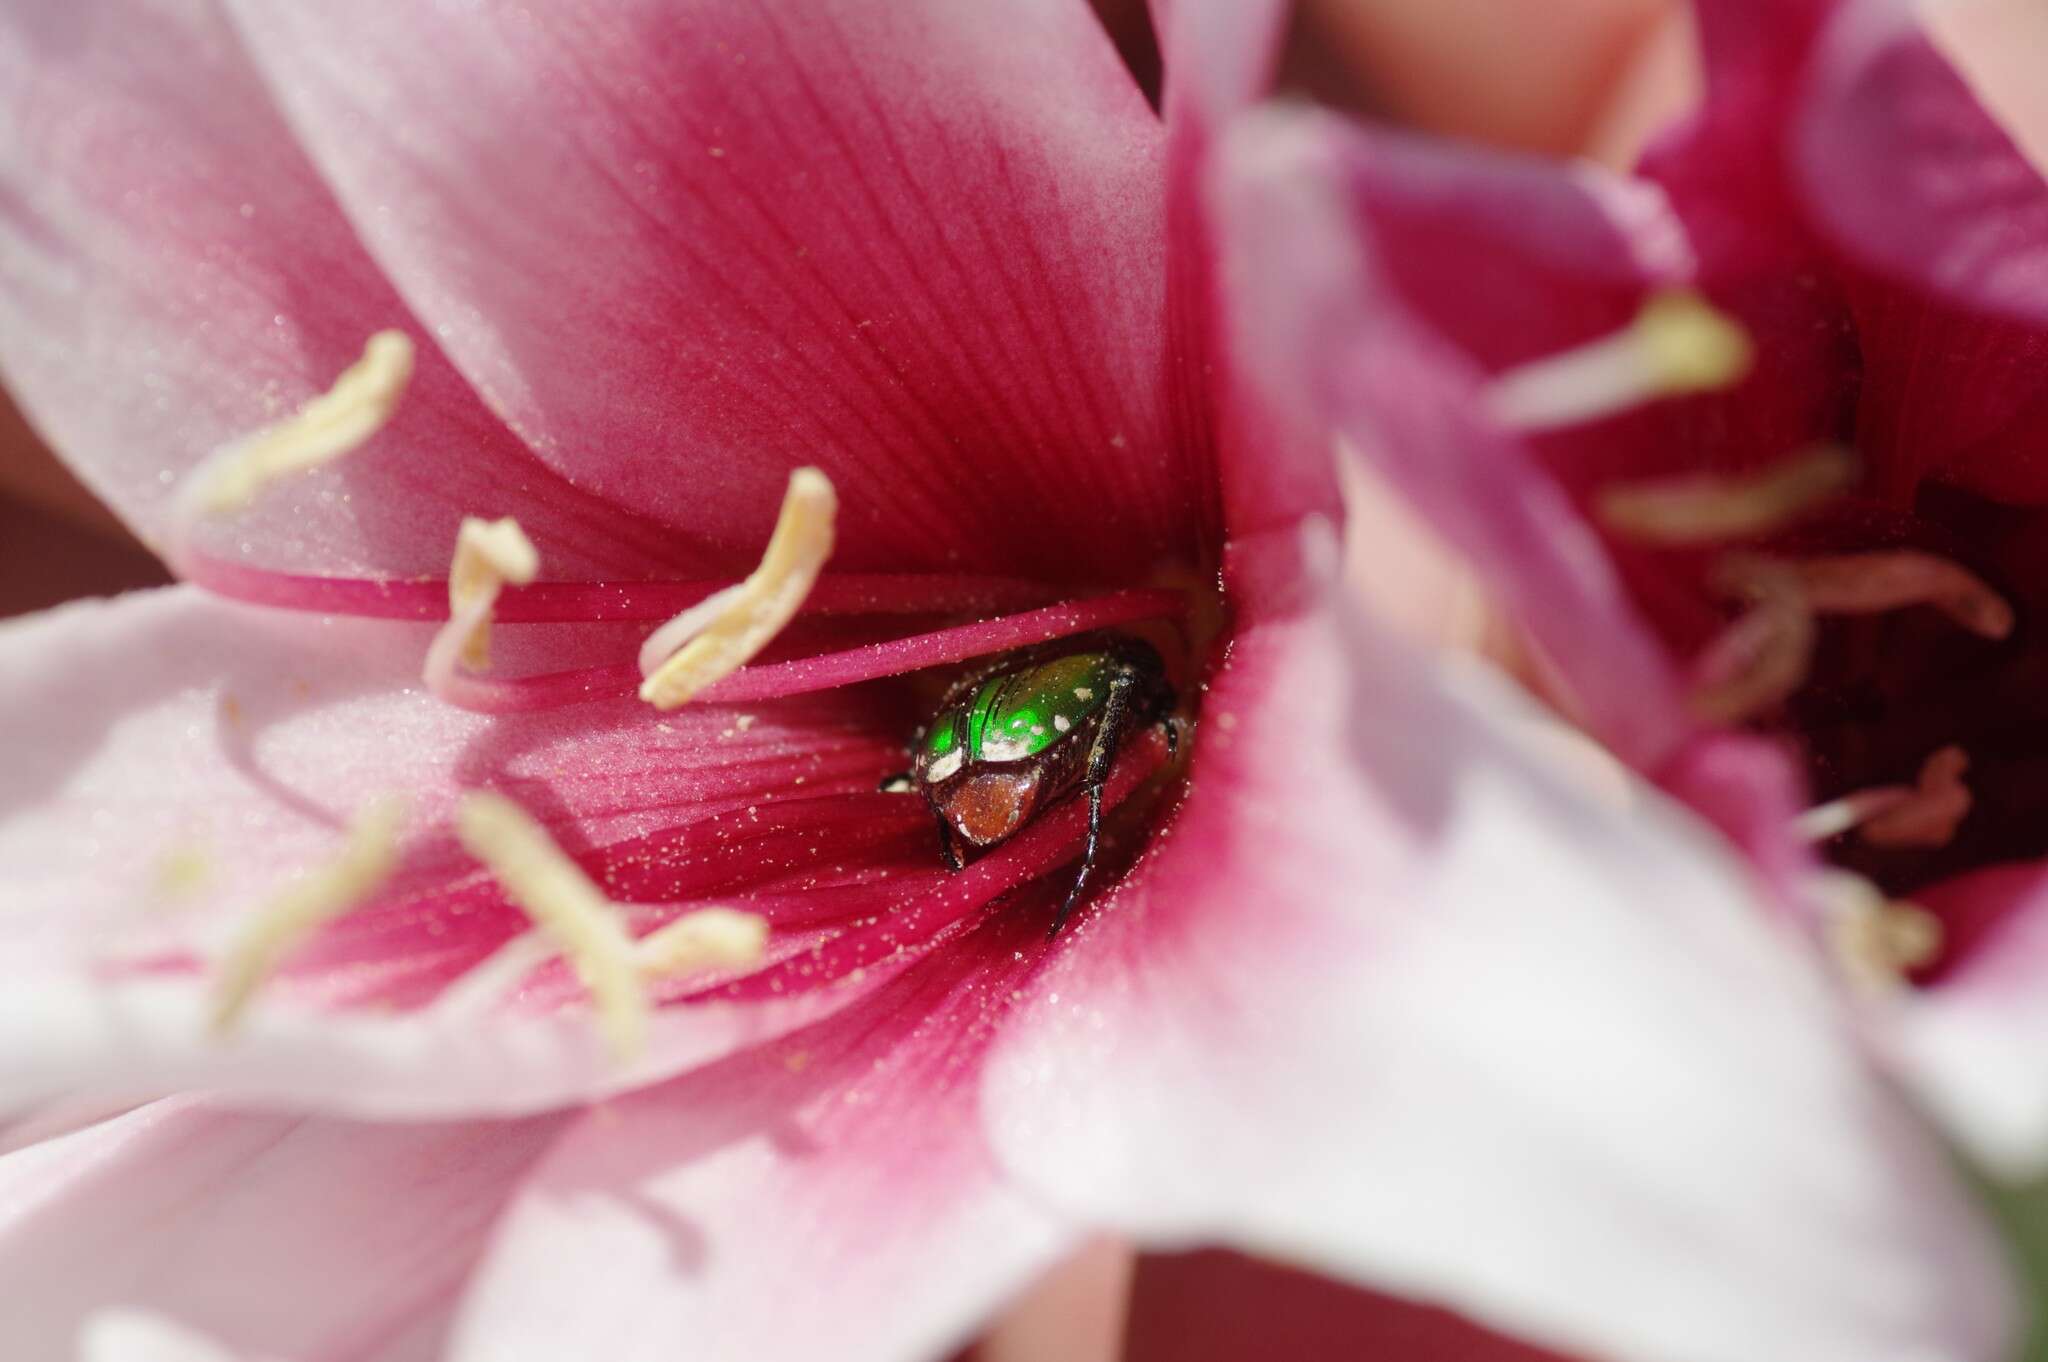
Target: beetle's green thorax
[{"x": 1022, "y": 713}]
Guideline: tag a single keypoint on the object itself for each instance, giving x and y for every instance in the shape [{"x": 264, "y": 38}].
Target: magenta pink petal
[
  {"x": 686, "y": 247},
  {"x": 1416, "y": 1006},
  {"x": 1329, "y": 335},
  {"x": 174, "y": 275},
  {"x": 1903, "y": 169}
]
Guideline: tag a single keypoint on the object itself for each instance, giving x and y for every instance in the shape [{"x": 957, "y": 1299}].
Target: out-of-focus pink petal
[
  {"x": 1971, "y": 1041},
  {"x": 1397, "y": 1000},
  {"x": 685, "y": 247},
  {"x": 1997, "y": 45},
  {"x": 174, "y": 275},
  {"x": 275, "y": 1236},
  {"x": 755, "y": 1208},
  {"x": 1325, "y": 333},
  {"x": 1902, "y": 168},
  {"x": 171, "y": 760}
]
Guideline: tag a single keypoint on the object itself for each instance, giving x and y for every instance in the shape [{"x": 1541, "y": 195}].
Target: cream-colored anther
[
  {"x": 332, "y": 424},
  {"x": 1708, "y": 509},
  {"x": 549, "y": 888},
  {"x": 318, "y": 897},
  {"x": 1877, "y": 941},
  {"x": 488, "y": 554},
  {"x": 1679, "y": 343},
  {"x": 709, "y": 938},
  {"x": 1872, "y": 583},
  {"x": 719, "y": 635}
]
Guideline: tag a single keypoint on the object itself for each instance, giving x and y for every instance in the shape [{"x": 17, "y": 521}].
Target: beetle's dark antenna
[{"x": 1101, "y": 756}]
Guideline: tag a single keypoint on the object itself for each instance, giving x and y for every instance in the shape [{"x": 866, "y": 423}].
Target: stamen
[
  {"x": 1872, "y": 583},
  {"x": 1677, "y": 344},
  {"x": 488, "y": 554},
  {"x": 1929, "y": 815},
  {"x": 588, "y": 927},
  {"x": 1712, "y": 510},
  {"x": 718, "y": 636},
  {"x": 1878, "y": 941},
  {"x": 331, "y": 425},
  {"x": 1762, "y": 658},
  {"x": 358, "y": 872},
  {"x": 550, "y": 888},
  {"x": 710, "y": 938}
]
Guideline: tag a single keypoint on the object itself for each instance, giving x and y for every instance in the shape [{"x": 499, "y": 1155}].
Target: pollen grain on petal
[
  {"x": 718, "y": 636},
  {"x": 488, "y": 554},
  {"x": 322, "y": 895},
  {"x": 356, "y": 407},
  {"x": 1710, "y": 509},
  {"x": 1679, "y": 343}
]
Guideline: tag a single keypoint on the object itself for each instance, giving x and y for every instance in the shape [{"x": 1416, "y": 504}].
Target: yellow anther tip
[{"x": 1693, "y": 346}]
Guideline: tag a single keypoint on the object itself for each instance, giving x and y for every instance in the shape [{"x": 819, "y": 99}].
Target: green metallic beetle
[{"x": 1009, "y": 743}]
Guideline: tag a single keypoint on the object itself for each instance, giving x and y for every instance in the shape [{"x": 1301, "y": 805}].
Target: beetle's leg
[
  {"x": 1101, "y": 756},
  {"x": 946, "y": 842},
  {"x": 1087, "y": 860},
  {"x": 1172, "y": 728}
]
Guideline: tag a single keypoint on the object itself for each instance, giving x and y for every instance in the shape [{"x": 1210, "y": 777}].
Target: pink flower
[
  {"x": 1838, "y": 553},
  {"x": 1379, "y": 984}
]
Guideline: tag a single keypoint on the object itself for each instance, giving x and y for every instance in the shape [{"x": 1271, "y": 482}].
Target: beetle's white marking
[
  {"x": 323, "y": 895},
  {"x": 717, "y": 636},
  {"x": 1061, "y": 722},
  {"x": 945, "y": 766},
  {"x": 331, "y": 425},
  {"x": 1005, "y": 749},
  {"x": 1677, "y": 344},
  {"x": 1083, "y": 693},
  {"x": 1038, "y": 730}
]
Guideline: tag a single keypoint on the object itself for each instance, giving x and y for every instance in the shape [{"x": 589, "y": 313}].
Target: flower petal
[
  {"x": 1905, "y": 171},
  {"x": 1398, "y": 1001},
  {"x": 1328, "y": 336},
  {"x": 826, "y": 1196},
  {"x": 686, "y": 247},
  {"x": 354, "y": 1232},
  {"x": 174, "y": 275},
  {"x": 172, "y": 760},
  {"x": 1970, "y": 1042}
]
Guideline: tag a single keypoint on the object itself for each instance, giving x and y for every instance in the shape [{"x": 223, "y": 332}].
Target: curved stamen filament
[
  {"x": 1707, "y": 509},
  {"x": 331, "y": 425},
  {"x": 1761, "y": 659},
  {"x": 584, "y": 602},
  {"x": 716, "y": 637},
  {"x": 363, "y": 866},
  {"x": 870, "y": 662},
  {"x": 1677, "y": 344}
]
